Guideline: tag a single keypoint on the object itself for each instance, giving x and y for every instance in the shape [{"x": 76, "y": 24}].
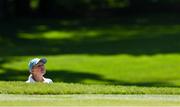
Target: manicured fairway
[
  {"x": 128, "y": 61},
  {"x": 131, "y": 51},
  {"x": 89, "y": 100}
]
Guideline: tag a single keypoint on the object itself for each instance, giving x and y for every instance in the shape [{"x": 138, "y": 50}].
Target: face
[{"x": 39, "y": 69}]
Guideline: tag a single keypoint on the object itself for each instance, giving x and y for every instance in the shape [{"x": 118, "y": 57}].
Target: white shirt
[{"x": 31, "y": 80}]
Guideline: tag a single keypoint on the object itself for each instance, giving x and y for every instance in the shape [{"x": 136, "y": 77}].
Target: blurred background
[{"x": 122, "y": 42}]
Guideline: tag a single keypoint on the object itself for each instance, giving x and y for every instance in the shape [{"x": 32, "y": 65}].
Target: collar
[{"x": 32, "y": 80}]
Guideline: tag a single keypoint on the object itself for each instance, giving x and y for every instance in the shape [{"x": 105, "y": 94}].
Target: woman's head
[
  {"x": 38, "y": 69},
  {"x": 36, "y": 66}
]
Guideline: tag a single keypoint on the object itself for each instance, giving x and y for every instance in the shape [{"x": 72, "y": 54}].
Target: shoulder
[
  {"x": 30, "y": 80},
  {"x": 27, "y": 81},
  {"x": 48, "y": 80}
]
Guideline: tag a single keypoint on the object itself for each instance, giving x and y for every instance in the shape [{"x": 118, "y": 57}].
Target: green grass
[
  {"x": 71, "y": 88},
  {"x": 125, "y": 55},
  {"x": 157, "y": 70},
  {"x": 89, "y": 100},
  {"x": 140, "y": 50}
]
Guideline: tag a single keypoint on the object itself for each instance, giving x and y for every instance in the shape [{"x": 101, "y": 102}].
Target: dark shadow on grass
[
  {"x": 79, "y": 77},
  {"x": 145, "y": 40},
  {"x": 149, "y": 41},
  {"x": 160, "y": 44}
]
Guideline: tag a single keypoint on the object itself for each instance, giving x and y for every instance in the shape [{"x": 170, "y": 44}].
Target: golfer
[{"x": 37, "y": 70}]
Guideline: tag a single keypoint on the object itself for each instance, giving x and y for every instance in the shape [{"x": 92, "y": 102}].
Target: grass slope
[
  {"x": 140, "y": 50},
  {"x": 66, "y": 88}
]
